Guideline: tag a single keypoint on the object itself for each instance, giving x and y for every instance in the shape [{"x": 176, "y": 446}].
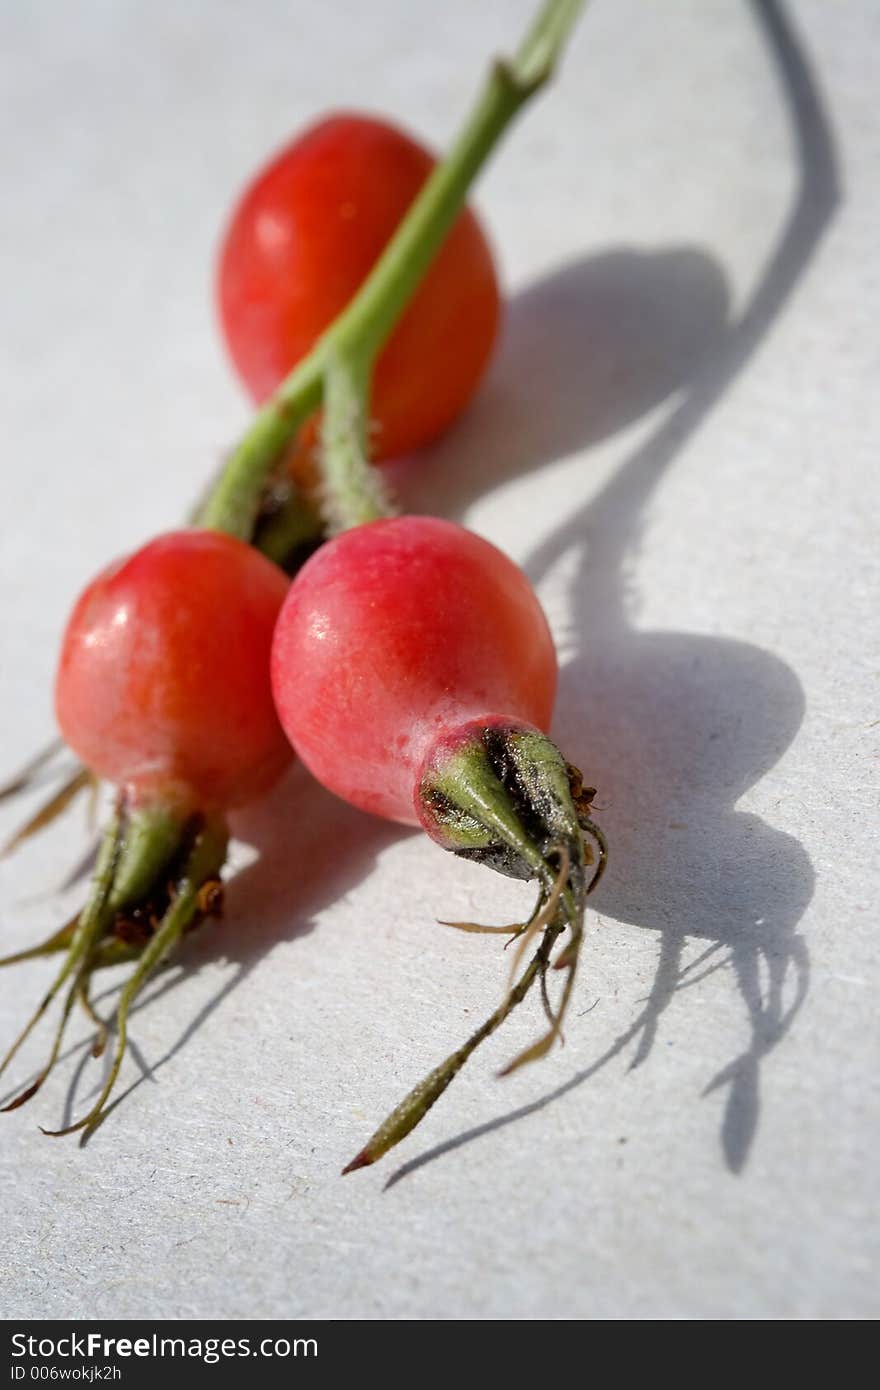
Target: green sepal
[
  {"x": 498, "y": 791},
  {"x": 151, "y": 836}
]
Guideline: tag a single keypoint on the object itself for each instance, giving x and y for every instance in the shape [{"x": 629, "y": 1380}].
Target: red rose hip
[
  {"x": 414, "y": 673},
  {"x": 395, "y": 633},
  {"x": 162, "y": 683},
  {"x": 303, "y": 238}
]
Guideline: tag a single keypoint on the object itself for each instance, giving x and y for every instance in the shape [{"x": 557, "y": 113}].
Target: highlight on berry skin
[{"x": 165, "y": 653}]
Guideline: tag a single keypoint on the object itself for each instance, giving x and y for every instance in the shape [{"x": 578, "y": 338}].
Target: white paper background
[{"x": 678, "y": 441}]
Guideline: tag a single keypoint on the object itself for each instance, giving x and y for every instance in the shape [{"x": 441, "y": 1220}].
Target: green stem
[
  {"x": 415, "y": 1106},
  {"x": 58, "y": 941},
  {"x": 89, "y": 927},
  {"x": 368, "y": 320},
  {"x": 353, "y": 492},
  {"x": 151, "y": 836},
  {"x": 358, "y": 334},
  {"x": 234, "y": 503},
  {"x": 35, "y": 1085},
  {"x": 205, "y": 860}
]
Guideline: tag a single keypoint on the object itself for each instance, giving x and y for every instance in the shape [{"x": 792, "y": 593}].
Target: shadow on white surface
[
  {"x": 677, "y": 726},
  {"x": 311, "y": 849},
  {"x": 585, "y": 352}
]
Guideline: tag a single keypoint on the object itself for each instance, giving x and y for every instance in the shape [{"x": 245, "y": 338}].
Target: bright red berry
[
  {"x": 302, "y": 239},
  {"x": 163, "y": 681},
  {"x": 394, "y": 634}
]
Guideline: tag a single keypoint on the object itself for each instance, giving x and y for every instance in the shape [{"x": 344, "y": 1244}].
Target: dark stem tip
[
  {"x": 23, "y": 1098},
  {"x": 363, "y": 1160},
  {"x": 60, "y": 1133}
]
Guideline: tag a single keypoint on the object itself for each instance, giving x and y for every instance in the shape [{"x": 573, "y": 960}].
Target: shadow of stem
[
  {"x": 619, "y": 333},
  {"x": 332, "y": 846},
  {"x": 680, "y": 726}
]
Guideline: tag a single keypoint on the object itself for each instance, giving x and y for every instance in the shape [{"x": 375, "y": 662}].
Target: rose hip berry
[
  {"x": 162, "y": 684},
  {"x": 301, "y": 241},
  {"x": 163, "y": 689},
  {"x": 414, "y": 674},
  {"x": 392, "y": 634}
]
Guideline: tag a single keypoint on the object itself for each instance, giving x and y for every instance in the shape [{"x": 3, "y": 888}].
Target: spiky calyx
[
  {"x": 157, "y": 875},
  {"x": 500, "y": 792}
]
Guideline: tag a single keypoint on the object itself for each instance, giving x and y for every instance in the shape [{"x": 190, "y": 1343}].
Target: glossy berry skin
[
  {"x": 163, "y": 681},
  {"x": 394, "y": 634},
  {"x": 300, "y": 242}
]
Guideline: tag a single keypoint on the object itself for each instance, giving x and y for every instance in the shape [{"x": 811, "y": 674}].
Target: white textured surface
[{"x": 678, "y": 440}]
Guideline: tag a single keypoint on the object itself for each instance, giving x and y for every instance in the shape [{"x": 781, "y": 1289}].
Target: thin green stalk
[
  {"x": 30, "y": 1091},
  {"x": 204, "y": 861},
  {"x": 89, "y": 927},
  {"x": 234, "y": 503},
  {"x": 414, "y": 1106},
  {"x": 363, "y": 327},
  {"x": 353, "y": 493},
  {"x": 83, "y": 994},
  {"x": 58, "y": 941},
  {"x": 368, "y": 320}
]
